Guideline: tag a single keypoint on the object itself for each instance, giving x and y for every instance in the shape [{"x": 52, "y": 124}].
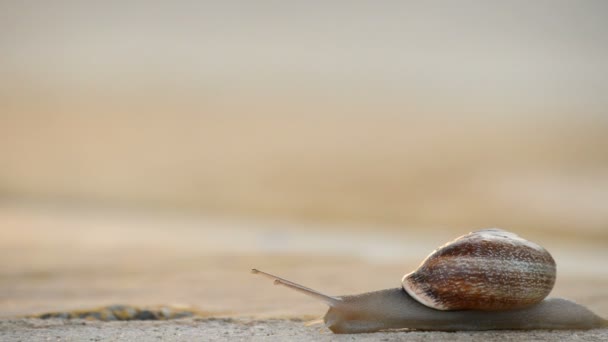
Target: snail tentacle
[{"x": 329, "y": 300}]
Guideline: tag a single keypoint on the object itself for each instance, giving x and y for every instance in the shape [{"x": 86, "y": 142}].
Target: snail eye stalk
[{"x": 329, "y": 300}]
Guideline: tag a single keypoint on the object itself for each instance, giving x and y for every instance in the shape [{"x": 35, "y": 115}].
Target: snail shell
[{"x": 484, "y": 270}]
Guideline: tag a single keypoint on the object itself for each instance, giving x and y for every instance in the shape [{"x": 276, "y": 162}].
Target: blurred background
[{"x": 153, "y": 152}]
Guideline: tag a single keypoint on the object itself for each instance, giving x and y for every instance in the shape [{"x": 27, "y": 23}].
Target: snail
[{"x": 485, "y": 280}]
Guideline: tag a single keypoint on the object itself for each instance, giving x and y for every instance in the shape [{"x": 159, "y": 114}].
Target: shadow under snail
[{"x": 486, "y": 280}]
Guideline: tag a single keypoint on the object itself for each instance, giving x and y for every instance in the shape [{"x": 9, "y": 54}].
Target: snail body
[
  {"x": 393, "y": 309},
  {"x": 485, "y": 280}
]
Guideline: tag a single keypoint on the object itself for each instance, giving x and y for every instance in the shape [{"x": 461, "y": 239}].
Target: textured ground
[{"x": 214, "y": 329}]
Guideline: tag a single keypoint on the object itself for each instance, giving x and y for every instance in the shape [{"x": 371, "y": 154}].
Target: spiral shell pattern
[{"x": 490, "y": 269}]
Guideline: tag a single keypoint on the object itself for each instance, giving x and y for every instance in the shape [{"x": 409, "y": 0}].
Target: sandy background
[{"x": 56, "y": 261}]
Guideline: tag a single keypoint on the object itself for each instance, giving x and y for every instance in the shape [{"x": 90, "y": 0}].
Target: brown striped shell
[{"x": 489, "y": 270}]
